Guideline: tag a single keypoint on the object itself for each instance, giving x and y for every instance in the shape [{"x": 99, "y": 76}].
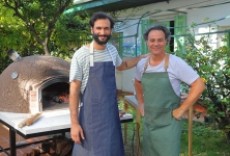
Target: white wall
[
  {"x": 212, "y": 13},
  {"x": 197, "y": 12},
  {"x": 125, "y": 79}
]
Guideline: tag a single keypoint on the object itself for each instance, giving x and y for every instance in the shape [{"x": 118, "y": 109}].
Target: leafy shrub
[{"x": 213, "y": 66}]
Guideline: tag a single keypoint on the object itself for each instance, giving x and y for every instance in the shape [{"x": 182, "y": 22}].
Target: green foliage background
[
  {"x": 212, "y": 64},
  {"x": 31, "y": 26}
]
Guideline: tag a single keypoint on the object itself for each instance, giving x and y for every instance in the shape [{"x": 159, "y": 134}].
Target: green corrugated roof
[{"x": 108, "y": 5}]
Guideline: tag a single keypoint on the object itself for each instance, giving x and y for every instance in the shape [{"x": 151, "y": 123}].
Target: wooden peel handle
[
  {"x": 33, "y": 119},
  {"x": 29, "y": 121}
]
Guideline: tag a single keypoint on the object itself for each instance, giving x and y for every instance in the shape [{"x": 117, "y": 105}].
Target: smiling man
[
  {"x": 157, "y": 83},
  {"x": 96, "y": 129}
]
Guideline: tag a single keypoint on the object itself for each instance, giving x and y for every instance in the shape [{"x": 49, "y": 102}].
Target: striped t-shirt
[{"x": 79, "y": 68}]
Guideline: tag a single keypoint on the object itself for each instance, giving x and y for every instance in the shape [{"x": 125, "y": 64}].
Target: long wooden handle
[
  {"x": 190, "y": 117},
  {"x": 29, "y": 121}
]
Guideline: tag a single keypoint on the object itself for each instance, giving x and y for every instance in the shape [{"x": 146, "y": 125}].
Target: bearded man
[{"x": 96, "y": 128}]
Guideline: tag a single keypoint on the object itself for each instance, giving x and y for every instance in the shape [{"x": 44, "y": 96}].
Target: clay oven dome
[{"x": 24, "y": 83}]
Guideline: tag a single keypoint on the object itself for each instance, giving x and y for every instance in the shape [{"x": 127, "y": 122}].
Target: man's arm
[
  {"x": 74, "y": 99},
  {"x": 196, "y": 89},
  {"x": 139, "y": 96},
  {"x": 130, "y": 63}
]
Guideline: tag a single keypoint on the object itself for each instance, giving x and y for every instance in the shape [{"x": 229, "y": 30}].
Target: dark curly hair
[
  {"x": 101, "y": 15},
  {"x": 161, "y": 28}
]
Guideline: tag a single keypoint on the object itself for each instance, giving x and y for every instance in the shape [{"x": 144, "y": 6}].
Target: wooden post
[
  {"x": 190, "y": 117},
  {"x": 137, "y": 139},
  {"x": 125, "y": 125}
]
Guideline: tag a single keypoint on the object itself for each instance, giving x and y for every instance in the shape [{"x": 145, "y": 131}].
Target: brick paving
[{"x": 22, "y": 151}]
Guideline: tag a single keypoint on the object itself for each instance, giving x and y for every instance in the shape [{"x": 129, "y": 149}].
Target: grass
[{"x": 206, "y": 141}]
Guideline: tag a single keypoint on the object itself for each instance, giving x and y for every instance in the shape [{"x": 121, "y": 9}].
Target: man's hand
[
  {"x": 144, "y": 55},
  {"x": 130, "y": 63},
  {"x": 77, "y": 134},
  {"x": 178, "y": 113},
  {"x": 196, "y": 89}
]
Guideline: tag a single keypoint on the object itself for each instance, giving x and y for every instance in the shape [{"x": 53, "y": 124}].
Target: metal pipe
[{"x": 14, "y": 56}]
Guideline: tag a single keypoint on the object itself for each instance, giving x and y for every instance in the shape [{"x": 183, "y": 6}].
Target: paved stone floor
[{"x": 4, "y": 142}]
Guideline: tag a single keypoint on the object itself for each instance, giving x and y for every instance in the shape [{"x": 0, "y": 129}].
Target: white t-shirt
[
  {"x": 178, "y": 71},
  {"x": 79, "y": 68}
]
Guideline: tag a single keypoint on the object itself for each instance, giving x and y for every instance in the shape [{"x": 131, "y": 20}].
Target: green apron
[{"x": 161, "y": 132}]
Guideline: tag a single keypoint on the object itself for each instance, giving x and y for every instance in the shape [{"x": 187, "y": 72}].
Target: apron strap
[
  {"x": 166, "y": 65},
  {"x": 146, "y": 64},
  {"x": 91, "y": 61}
]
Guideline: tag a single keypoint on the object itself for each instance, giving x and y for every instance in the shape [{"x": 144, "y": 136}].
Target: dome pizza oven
[{"x": 34, "y": 83}]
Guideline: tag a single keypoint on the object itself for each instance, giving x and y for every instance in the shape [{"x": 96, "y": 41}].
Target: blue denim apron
[
  {"x": 161, "y": 132},
  {"x": 99, "y": 115}
]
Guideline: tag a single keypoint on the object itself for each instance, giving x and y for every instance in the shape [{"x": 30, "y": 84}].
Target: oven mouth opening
[{"x": 55, "y": 96}]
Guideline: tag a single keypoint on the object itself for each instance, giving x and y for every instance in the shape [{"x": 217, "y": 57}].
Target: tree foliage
[
  {"x": 12, "y": 35},
  {"x": 71, "y": 32},
  {"x": 40, "y": 27},
  {"x": 39, "y": 18},
  {"x": 12, "y": 30}
]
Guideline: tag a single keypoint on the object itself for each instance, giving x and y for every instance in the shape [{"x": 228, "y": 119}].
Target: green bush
[{"x": 213, "y": 66}]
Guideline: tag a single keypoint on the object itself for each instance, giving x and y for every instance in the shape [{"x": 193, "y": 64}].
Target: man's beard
[{"x": 96, "y": 39}]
